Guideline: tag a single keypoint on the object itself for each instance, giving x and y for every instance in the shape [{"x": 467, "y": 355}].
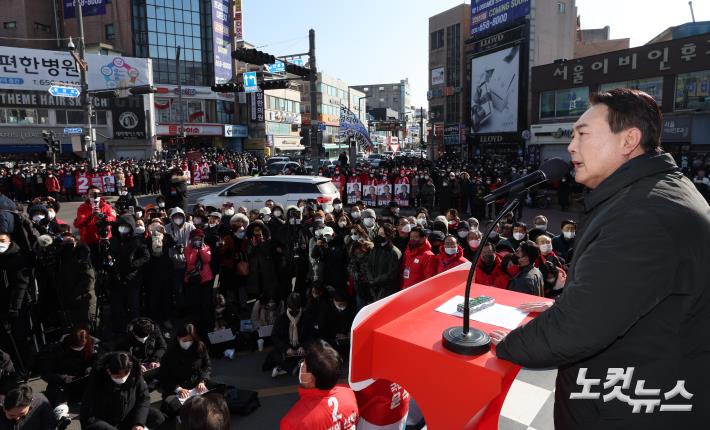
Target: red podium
[{"x": 399, "y": 339}]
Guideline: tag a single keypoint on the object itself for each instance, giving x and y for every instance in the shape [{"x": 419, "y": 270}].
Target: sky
[{"x": 384, "y": 41}]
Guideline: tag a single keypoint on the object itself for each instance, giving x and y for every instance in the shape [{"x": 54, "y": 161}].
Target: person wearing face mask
[
  {"x": 318, "y": 375},
  {"x": 335, "y": 323},
  {"x": 263, "y": 262},
  {"x": 125, "y": 201},
  {"x": 198, "y": 280},
  {"x": 15, "y": 275},
  {"x": 358, "y": 258},
  {"x": 292, "y": 331},
  {"x": 383, "y": 265},
  {"x": 174, "y": 189},
  {"x": 24, "y": 409},
  {"x": 401, "y": 240},
  {"x": 145, "y": 342},
  {"x": 355, "y": 214},
  {"x": 51, "y": 183},
  {"x": 428, "y": 193},
  {"x": 519, "y": 235},
  {"x": 266, "y": 311},
  {"x": 158, "y": 274},
  {"x": 126, "y": 277},
  {"x": 529, "y": 280},
  {"x": 178, "y": 236},
  {"x": 390, "y": 214},
  {"x": 117, "y": 397},
  {"x": 489, "y": 270},
  {"x": 462, "y": 230},
  {"x": 563, "y": 244},
  {"x": 472, "y": 241},
  {"x": 449, "y": 256},
  {"x": 76, "y": 278},
  {"x": 544, "y": 243},
  {"x": 338, "y": 208},
  {"x": 94, "y": 210},
  {"x": 66, "y": 366},
  {"x": 540, "y": 223},
  {"x": 330, "y": 255},
  {"x": 418, "y": 259},
  {"x": 369, "y": 221},
  {"x": 185, "y": 366},
  {"x": 295, "y": 261}
]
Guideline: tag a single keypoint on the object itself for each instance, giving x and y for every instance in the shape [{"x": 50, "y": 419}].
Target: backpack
[{"x": 241, "y": 402}]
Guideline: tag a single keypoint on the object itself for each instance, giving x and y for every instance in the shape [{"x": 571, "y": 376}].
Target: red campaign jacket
[
  {"x": 417, "y": 264},
  {"x": 52, "y": 184},
  {"x": 497, "y": 278},
  {"x": 444, "y": 262},
  {"x": 401, "y": 180},
  {"x": 383, "y": 403},
  {"x": 130, "y": 181},
  {"x": 339, "y": 182},
  {"x": 191, "y": 255},
  {"x": 86, "y": 221},
  {"x": 322, "y": 410}
]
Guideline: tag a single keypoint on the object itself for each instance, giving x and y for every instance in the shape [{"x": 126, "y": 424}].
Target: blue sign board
[
  {"x": 298, "y": 62},
  {"x": 250, "y": 83},
  {"x": 321, "y": 126},
  {"x": 221, "y": 42},
  {"x": 64, "y": 91},
  {"x": 73, "y": 130},
  {"x": 277, "y": 67},
  {"x": 488, "y": 16},
  {"x": 88, "y": 8}
]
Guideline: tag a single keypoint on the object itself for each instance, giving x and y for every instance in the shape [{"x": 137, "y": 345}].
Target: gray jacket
[{"x": 529, "y": 281}]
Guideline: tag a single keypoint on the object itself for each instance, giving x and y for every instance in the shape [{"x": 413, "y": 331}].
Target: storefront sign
[
  {"x": 278, "y": 129},
  {"x": 238, "y": 21},
  {"x": 498, "y": 40},
  {"x": 489, "y": 15},
  {"x": 190, "y": 129},
  {"x": 676, "y": 129},
  {"x": 221, "y": 43},
  {"x": 498, "y": 138},
  {"x": 257, "y": 106},
  {"x": 437, "y": 76},
  {"x": 283, "y": 116},
  {"x": 42, "y": 99},
  {"x": 129, "y": 118},
  {"x": 452, "y": 134},
  {"x": 236, "y": 130},
  {"x": 88, "y": 8}
]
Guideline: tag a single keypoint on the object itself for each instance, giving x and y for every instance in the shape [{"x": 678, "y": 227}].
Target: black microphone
[{"x": 553, "y": 169}]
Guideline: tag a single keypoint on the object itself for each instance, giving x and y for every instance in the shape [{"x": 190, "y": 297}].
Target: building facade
[
  {"x": 30, "y": 24},
  {"x": 675, "y": 72}
]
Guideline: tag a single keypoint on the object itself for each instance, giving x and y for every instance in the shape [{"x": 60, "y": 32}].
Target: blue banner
[
  {"x": 221, "y": 42},
  {"x": 350, "y": 126},
  {"x": 88, "y": 8},
  {"x": 488, "y": 16}
]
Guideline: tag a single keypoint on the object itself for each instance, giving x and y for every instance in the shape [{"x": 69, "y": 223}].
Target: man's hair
[
  {"x": 324, "y": 363},
  {"x": 520, "y": 224},
  {"x": 419, "y": 230},
  {"x": 118, "y": 361},
  {"x": 207, "y": 412},
  {"x": 530, "y": 249},
  {"x": 389, "y": 230},
  {"x": 18, "y": 397},
  {"x": 632, "y": 108}
]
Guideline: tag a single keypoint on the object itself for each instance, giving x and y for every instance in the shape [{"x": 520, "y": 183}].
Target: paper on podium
[{"x": 497, "y": 315}]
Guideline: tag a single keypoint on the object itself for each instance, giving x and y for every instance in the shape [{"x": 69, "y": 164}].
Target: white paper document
[{"x": 497, "y": 315}]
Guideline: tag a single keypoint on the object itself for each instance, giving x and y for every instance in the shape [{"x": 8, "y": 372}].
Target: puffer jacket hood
[
  {"x": 127, "y": 219},
  {"x": 264, "y": 229}
]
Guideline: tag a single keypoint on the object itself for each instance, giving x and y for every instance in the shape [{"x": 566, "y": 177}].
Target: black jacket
[
  {"x": 40, "y": 416},
  {"x": 184, "y": 368},
  {"x": 76, "y": 274},
  {"x": 15, "y": 275},
  {"x": 8, "y": 376},
  {"x": 280, "y": 337},
  {"x": 129, "y": 254},
  {"x": 636, "y": 296},
  {"x": 62, "y": 360},
  {"x": 529, "y": 281},
  {"x": 383, "y": 268},
  {"x": 151, "y": 351},
  {"x": 104, "y": 400}
]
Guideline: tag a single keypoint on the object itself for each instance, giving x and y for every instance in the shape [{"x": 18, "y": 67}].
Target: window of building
[
  {"x": 382, "y": 88},
  {"x": 108, "y": 32},
  {"x": 437, "y": 39},
  {"x": 561, "y": 7},
  {"x": 651, "y": 86},
  {"x": 9, "y": 25},
  {"x": 692, "y": 91},
  {"x": 436, "y": 113},
  {"x": 395, "y": 87},
  {"x": 382, "y": 100},
  {"x": 42, "y": 27},
  {"x": 453, "y": 109},
  {"x": 366, "y": 89},
  {"x": 453, "y": 55},
  {"x": 564, "y": 103}
]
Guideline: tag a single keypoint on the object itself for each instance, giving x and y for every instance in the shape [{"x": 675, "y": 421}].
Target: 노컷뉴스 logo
[{"x": 128, "y": 120}]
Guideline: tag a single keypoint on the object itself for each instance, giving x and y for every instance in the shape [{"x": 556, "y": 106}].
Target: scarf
[{"x": 293, "y": 328}]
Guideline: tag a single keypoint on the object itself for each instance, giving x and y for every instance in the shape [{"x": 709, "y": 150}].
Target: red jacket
[
  {"x": 86, "y": 221},
  {"x": 205, "y": 254},
  {"x": 52, "y": 184},
  {"x": 322, "y": 410},
  {"x": 417, "y": 264},
  {"x": 497, "y": 278},
  {"x": 444, "y": 262},
  {"x": 382, "y": 403}
]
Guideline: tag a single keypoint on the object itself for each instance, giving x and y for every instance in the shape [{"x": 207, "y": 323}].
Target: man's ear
[{"x": 631, "y": 140}]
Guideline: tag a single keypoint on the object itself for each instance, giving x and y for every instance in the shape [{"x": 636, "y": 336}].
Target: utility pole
[
  {"x": 85, "y": 100},
  {"x": 421, "y": 130},
  {"x": 181, "y": 133},
  {"x": 315, "y": 155}
]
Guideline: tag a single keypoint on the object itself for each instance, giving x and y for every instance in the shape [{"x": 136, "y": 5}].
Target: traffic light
[
  {"x": 142, "y": 89},
  {"x": 305, "y": 137},
  {"x": 253, "y": 56},
  {"x": 51, "y": 139},
  {"x": 275, "y": 84},
  {"x": 229, "y": 87},
  {"x": 298, "y": 70},
  {"x": 108, "y": 94}
]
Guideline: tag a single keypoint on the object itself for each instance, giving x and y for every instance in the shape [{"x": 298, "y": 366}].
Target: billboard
[
  {"x": 221, "y": 42},
  {"x": 490, "y": 15},
  {"x": 494, "y": 91},
  {"x": 437, "y": 76},
  {"x": 88, "y": 8},
  {"x": 35, "y": 69}
]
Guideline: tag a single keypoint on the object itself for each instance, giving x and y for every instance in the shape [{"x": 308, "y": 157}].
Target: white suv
[{"x": 284, "y": 190}]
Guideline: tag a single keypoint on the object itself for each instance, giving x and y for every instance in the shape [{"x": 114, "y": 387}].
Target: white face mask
[
  {"x": 124, "y": 229},
  {"x": 340, "y": 307},
  {"x": 229, "y": 212},
  {"x": 406, "y": 228},
  {"x": 474, "y": 243},
  {"x": 421, "y": 221},
  {"x": 197, "y": 220},
  {"x": 300, "y": 377},
  {"x": 140, "y": 230},
  {"x": 355, "y": 215},
  {"x": 542, "y": 227},
  {"x": 51, "y": 215},
  {"x": 161, "y": 205},
  {"x": 518, "y": 236},
  {"x": 139, "y": 214},
  {"x": 266, "y": 218},
  {"x": 337, "y": 206},
  {"x": 123, "y": 193},
  {"x": 450, "y": 250},
  {"x": 178, "y": 220},
  {"x": 37, "y": 218},
  {"x": 141, "y": 339},
  {"x": 546, "y": 248},
  {"x": 77, "y": 348},
  {"x": 568, "y": 234},
  {"x": 4, "y": 247},
  {"x": 342, "y": 224},
  {"x": 462, "y": 234},
  {"x": 277, "y": 214},
  {"x": 494, "y": 234},
  {"x": 120, "y": 381},
  {"x": 369, "y": 222},
  {"x": 185, "y": 345}
]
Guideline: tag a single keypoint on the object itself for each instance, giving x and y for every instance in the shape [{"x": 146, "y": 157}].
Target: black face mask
[
  {"x": 515, "y": 259},
  {"x": 488, "y": 260},
  {"x": 380, "y": 240}
]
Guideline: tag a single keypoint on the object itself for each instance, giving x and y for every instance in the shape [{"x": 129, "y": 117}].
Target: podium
[{"x": 399, "y": 339}]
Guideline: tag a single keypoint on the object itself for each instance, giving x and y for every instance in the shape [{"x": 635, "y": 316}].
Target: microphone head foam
[{"x": 555, "y": 169}]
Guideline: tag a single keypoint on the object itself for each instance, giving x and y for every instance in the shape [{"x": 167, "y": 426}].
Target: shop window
[
  {"x": 567, "y": 103},
  {"x": 692, "y": 91},
  {"x": 651, "y": 86}
]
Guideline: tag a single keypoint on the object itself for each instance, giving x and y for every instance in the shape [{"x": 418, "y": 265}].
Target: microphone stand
[{"x": 466, "y": 340}]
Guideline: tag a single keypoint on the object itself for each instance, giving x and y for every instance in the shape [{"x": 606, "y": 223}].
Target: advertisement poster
[
  {"x": 88, "y": 8},
  {"x": 401, "y": 192},
  {"x": 354, "y": 190},
  {"x": 384, "y": 194},
  {"x": 490, "y": 15},
  {"x": 437, "y": 76},
  {"x": 221, "y": 43},
  {"x": 494, "y": 91}
]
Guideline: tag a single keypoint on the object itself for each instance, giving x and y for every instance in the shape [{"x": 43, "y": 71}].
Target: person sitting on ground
[
  {"x": 291, "y": 331},
  {"x": 24, "y": 409},
  {"x": 208, "y": 412},
  {"x": 144, "y": 341},
  {"x": 337, "y": 320},
  {"x": 9, "y": 378}
]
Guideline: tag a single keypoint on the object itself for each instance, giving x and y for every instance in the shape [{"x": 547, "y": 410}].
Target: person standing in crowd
[
  {"x": 418, "y": 259},
  {"x": 178, "y": 237},
  {"x": 563, "y": 244},
  {"x": 655, "y": 308},
  {"x": 318, "y": 375},
  {"x": 159, "y": 274},
  {"x": 234, "y": 262},
  {"x": 15, "y": 273},
  {"x": 117, "y": 397},
  {"x": 518, "y": 236},
  {"x": 198, "y": 280},
  {"x": 358, "y": 258},
  {"x": 126, "y": 201},
  {"x": 92, "y": 216},
  {"x": 330, "y": 253},
  {"x": 52, "y": 186},
  {"x": 428, "y": 193},
  {"x": 450, "y": 255},
  {"x": 528, "y": 280},
  {"x": 24, "y": 409},
  {"x": 402, "y": 237},
  {"x": 174, "y": 189},
  {"x": 69, "y": 185},
  {"x": 262, "y": 261},
  {"x": 76, "y": 278},
  {"x": 383, "y": 266}
]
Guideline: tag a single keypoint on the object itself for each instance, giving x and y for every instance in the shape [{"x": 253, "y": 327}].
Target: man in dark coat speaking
[{"x": 630, "y": 335}]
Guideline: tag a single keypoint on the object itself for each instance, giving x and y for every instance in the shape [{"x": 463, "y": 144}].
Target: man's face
[
  {"x": 595, "y": 150},
  {"x": 519, "y": 230},
  {"x": 569, "y": 228},
  {"x": 16, "y": 414},
  {"x": 523, "y": 259}
]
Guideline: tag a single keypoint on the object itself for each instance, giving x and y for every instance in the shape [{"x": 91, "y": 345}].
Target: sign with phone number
[{"x": 488, "y": 15}]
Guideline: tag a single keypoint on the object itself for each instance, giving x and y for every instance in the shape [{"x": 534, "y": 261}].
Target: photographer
[
  {"x": 129, "y": 254},
  {"x": 15, "y": 273},
  {"x": 158, "y": 273},
  {"x": 126, "y": 200},
  {"x": 92, "y": 215}
]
